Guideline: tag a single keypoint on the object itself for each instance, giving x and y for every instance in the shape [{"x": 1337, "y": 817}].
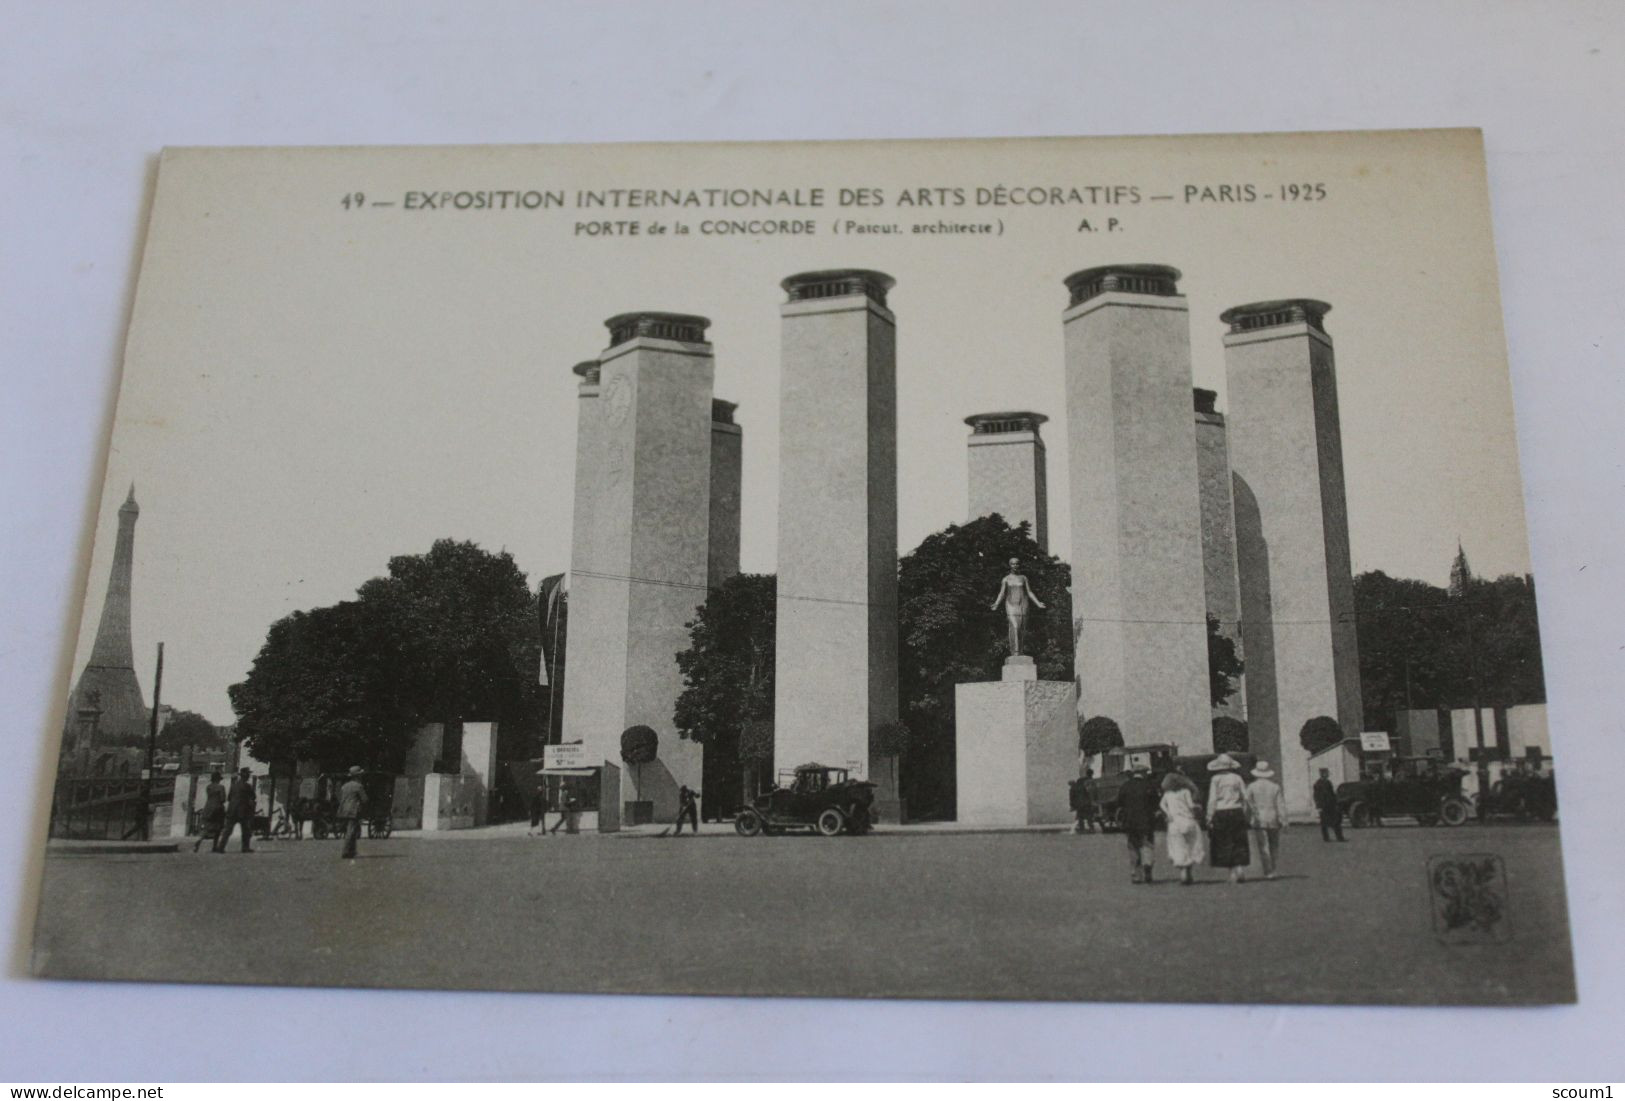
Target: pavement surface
[{"x": 903, "y": 914}]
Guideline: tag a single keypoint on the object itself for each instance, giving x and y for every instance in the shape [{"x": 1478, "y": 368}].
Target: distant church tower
[{"x": 106, "y": 703}]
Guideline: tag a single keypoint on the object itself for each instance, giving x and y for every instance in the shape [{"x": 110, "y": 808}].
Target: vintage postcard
[{"x": 1086, "y": 569}]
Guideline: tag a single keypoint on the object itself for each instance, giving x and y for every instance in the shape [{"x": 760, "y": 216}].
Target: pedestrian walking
[
  {"x": 1186, "y": 847},
  {"x": 688, "y": 810},
  {"x": 1227, "y": 818},
  {"x": 301, "y": 815},
  {"x": 212, "y": 818},
  {"x": 1086, "y": 811},
  {"x": 1266, "y": 814},
  {"x": 538, "y": 811},
  {"x": 1331, "y": 815},
  {"x": 352, "y": 807},
  {"x": 1137, "y": 810},
  {"x": 241, "y": 802},
  {"x": 567, "y": 807}
]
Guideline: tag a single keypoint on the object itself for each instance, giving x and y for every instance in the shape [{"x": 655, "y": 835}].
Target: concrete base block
[
  {"x": 1017, "y": 743},
  {"x": 1020, "y": 667}
]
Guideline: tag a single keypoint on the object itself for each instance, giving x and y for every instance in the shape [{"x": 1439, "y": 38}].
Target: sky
[{"x": 310, "y": 388}]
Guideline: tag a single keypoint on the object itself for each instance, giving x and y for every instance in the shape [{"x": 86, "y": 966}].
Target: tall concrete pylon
[
  {"x": 640, "y": 557},
  {"x": 1137, "y": 575},
  {"x": 836, "y": 678},
  {"x": 1292, "y": 532}
]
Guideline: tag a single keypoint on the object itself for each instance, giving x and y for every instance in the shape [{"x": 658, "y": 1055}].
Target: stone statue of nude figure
[{"x": 1014, "y": 593}]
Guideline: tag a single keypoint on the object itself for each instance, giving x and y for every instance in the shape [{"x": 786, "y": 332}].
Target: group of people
[
  {"x": 688, "y": 811},
  {"x": 1215, "y": 830},
  {"x": 225, "y": 810},
  {"x": 540, "y": 805}
]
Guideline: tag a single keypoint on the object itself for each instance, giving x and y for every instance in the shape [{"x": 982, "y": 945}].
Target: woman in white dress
[{"x": 1186, "y": 847}]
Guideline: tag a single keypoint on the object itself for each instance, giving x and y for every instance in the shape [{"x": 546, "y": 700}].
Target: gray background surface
[{"x": 90, "y": 92}]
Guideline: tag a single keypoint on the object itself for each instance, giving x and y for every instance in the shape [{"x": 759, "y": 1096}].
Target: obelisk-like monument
[
  {"x": 836, "y": 678},
  {"x": 1292, "y": 532},
  {"x": 640, "y": 554},
  {"x": 1219, "y": 535},
  {"x": 1137, "y": 583},
  {"x": 106, "y": 704},
  {"x": 1007, "y": 467}
]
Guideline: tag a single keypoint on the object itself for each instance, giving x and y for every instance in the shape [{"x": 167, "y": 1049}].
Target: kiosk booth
[{"x": 565, "y": 775}]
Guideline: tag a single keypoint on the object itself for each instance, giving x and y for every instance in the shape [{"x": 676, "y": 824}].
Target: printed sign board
[{"x": 556, "y": 758}]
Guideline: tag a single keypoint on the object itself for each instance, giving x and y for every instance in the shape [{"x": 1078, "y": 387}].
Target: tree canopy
[
  {"x": 1230, "y": 735},
  {"x": 1224, "y": 668},
  {"x": 728, "y": 666},
  {"x": 1426, "y": 646},
  {"x": 949, "y": 633},
  {"x": 447, "y": 635},
  {"x": 188, "y": 729}
]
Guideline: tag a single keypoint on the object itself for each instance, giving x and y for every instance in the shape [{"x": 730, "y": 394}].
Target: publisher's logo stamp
[{"x": 1469, "y": 896}]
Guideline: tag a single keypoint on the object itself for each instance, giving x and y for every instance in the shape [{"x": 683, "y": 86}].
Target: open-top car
[
  {"x": 811, "y": 797},
  {"x": 1416, "y": 787}
]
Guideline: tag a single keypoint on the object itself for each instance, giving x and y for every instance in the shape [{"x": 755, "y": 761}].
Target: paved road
[{"x": 1003, "y": 916}]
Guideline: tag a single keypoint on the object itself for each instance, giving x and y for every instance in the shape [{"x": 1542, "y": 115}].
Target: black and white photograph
[
  {"x": 972, "y": 570},
  {"x": 674, "y": 545}
]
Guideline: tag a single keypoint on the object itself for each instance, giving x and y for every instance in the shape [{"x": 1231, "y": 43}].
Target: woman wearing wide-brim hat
[{"x": 1227, "y": 817}]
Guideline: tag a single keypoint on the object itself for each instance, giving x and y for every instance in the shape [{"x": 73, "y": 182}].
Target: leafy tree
[
  {"x": 328, "y": 685},
  {"x": 1098, "y": 734},
  {"x": 949, "y": 634},
  {"x": 728, "y": 682},
  {"x": 471, "y": 638},
  {"x": 1230, "y": 735},
  {"x": 1224, "y": 668},
  {"x": 188, "y": 729},
  {"x": 1426, "y": 646},
  {"x": 1320, "y": 732},
  {"x": 448, "y": 635},
  {"x": 728, "y": 667},
  {"x": 756, "y": 741}
]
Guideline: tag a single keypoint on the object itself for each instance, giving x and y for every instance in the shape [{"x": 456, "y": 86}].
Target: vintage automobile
[
  {"x": 1419, "y": 788},
  {"x": 810, "y": 797},
  {"x": 1520, "y": 795},
  {"x": 1162, "y": 758}
]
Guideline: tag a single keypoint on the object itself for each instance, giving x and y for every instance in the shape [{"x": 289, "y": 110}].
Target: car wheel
[
  {"x": 1454, "y": 812},
  {"x": 1359, "y": 815},
  {"x": 831, "y": 822},
  {"x": 748, "y": 823}
]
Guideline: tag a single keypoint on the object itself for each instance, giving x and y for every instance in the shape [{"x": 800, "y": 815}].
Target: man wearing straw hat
[{"x": 1266, "y": 814}]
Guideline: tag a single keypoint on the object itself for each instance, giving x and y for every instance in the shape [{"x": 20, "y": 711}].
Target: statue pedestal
[{"x": 1017, "y": 748}]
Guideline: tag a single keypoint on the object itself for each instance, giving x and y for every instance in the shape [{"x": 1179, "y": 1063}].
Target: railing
[{"x": 113, "y": 809}]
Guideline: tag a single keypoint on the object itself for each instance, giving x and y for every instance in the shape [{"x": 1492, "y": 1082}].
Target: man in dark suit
[
  {"x": 1137, "y": 810},
  {"x": 352, "y": 808},
  {"x": 240, "y": 805},
  {"x": 688, "y": 810},
  {"x": 1331, "y": 815}
]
